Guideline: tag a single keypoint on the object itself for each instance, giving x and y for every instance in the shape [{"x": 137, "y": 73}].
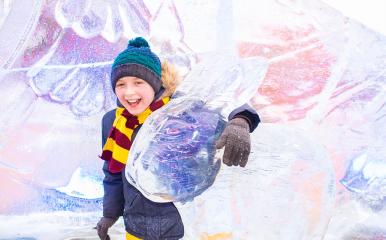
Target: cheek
[
  {"x": 119, "y": 93},
  {"x": 149, "y": 94}
]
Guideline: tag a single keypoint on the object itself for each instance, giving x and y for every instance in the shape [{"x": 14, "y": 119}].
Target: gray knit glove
[
  {"x": 237, "y": 142},
  {"x": 103, "y": 226}
]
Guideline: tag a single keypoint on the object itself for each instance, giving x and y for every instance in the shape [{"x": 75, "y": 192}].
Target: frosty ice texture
[
  {"x": 179, "y": 162},
  {"x": 366, "y": 176},
  {"x": 326, "y": 75}
]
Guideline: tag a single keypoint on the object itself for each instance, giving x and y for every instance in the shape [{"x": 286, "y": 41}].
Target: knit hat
[{"x": 137, "y": 60}]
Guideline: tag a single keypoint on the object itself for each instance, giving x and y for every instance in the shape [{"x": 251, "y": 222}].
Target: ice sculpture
[
  {"x": 366, "y": 176},
  {"x": 326, "y": 75},
  {"x": 286, "y": 191},
  {"x": 173, "y": 155}
]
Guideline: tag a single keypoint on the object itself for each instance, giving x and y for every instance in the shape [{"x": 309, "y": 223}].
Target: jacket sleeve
[
  {"x": 248, "y": 113},
  {"x": 113, "y": 199}
]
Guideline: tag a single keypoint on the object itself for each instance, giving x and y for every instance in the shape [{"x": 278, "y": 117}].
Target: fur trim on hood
[{"x": 170, "y": 78}]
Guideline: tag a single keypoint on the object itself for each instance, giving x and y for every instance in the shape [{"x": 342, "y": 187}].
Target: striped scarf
[{"x": 117, "y": 147}]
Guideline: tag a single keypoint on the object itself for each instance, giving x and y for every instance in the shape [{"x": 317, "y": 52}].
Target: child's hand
[
  {"x": 103, "y": 226},
  {"x": 237, "y": 142}
]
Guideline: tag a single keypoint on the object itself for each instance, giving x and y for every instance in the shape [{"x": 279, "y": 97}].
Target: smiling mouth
[{"x": 134, "y": 102}]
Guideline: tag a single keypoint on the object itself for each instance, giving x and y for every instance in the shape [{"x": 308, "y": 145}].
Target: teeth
[{"x": 133, "y": 100}]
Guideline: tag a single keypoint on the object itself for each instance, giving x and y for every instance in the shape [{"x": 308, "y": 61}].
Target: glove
[
  {"x": 237, "y": 142},
  {"x": 103, "y": 226}
]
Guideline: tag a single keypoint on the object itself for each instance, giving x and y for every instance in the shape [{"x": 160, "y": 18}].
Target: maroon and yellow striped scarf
[{"x": 117, "y": 147}]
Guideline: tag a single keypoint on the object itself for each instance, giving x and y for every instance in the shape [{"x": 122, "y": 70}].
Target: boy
[{"x": 142, "y": 86}]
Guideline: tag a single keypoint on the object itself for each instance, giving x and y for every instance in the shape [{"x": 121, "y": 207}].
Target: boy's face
[{"x": 134, "y": 93}]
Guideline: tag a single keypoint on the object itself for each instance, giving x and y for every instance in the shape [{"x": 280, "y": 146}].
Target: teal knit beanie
[{"x": 137, "y": 60}]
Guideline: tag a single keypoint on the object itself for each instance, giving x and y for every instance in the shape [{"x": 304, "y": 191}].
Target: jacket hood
[{"x": 170, "y": 78}]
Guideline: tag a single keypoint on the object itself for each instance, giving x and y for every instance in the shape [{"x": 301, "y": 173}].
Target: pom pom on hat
[{"x": 138, "y": 42}]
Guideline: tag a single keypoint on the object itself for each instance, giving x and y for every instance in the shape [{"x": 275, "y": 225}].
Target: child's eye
[{"x": 138, "y": 82}]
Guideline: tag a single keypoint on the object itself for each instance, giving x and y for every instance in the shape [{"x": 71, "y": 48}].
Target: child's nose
[{"x": 129, "y": 91}]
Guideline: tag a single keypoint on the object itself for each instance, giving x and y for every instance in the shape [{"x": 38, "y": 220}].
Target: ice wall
[{"x": 317, "y": 170}]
